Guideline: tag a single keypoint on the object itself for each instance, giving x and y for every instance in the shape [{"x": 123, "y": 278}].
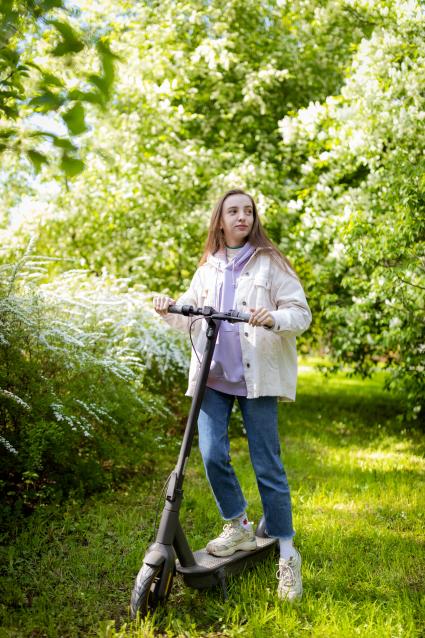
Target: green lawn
[{"x": 357, "y": 481}]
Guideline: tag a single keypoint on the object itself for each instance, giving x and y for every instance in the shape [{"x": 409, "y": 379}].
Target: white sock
[
  {"x": 243, "y": 520},
  {"x": 286, "y": 548}
]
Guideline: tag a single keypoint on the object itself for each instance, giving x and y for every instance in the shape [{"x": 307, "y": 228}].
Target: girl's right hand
[{"x": 161, "y": 304}]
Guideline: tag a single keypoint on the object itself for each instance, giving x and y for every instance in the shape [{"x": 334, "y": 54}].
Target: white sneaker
[
  {"x": 233, "y": 537},
  {"x": 290, "y": 585}
]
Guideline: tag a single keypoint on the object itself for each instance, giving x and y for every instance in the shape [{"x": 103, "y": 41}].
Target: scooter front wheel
[{"x": 145, "y": 595}]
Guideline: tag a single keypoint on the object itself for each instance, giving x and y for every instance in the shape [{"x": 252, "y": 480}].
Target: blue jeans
[{"x": 260, "y": 419}]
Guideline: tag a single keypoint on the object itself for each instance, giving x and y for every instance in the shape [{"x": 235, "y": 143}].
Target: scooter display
[{"x": 170, "y": 553}]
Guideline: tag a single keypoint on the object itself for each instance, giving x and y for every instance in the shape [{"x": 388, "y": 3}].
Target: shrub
[{"x": 84, "y": 372}]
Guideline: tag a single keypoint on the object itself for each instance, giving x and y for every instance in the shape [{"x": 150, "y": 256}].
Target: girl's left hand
[{"x": 261, "y": 317}]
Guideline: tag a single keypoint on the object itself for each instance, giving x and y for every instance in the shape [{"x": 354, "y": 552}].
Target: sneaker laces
[
  {"x": 286, "y": 574},
  {"x": 227, "y": 530}
]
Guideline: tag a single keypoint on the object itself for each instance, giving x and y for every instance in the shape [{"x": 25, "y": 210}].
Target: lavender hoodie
[{"x": 227, "y": 373}]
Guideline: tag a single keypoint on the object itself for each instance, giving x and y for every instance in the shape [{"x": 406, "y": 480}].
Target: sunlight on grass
[{"x": 357, "y": 483}]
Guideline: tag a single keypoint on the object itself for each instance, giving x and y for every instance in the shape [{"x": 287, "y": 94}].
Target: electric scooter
[{"x": 170, "y": 553}]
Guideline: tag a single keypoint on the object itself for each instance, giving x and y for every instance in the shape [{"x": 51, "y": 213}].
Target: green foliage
[
  {"x": 81, "y": 363},
  {"x": 28, "y": 87},
  {"x": 316, "y": 108},
  {"x": 358, "y": 206},
  {"x": 359, "y": 511},
  {"x": 196, "y": 108}
]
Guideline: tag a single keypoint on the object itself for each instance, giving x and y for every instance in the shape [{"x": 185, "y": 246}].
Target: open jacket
[{"x": 269, "y": 355}]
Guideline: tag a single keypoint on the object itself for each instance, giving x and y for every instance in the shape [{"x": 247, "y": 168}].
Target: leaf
[
  {"x": 74, "y": 119},
  {"x": 71, "y": 166},
  {"x": 7, "y": 132},
  {"x": 7, "y": 94},
  {"x": 9, "y": 111},
  {"x": 107, "y": 58},
  {"x": 85, "y": 96},
  {"x": 23, "y": 70},
  {"x": 33, "y": 65},
  {"x": 50, "y": 4},
  {"x": 47, "y": 101},
  {"x": 104, "y": 81},
  {"x": 10, "y": 56},
  {"x": 59, "y": 142},
  {"x": 37, "y": 159},
  {"x": 62, "y": 142},
  {"x": 50, "y": 79},
  {"x": 70, "y": 43},
  {"x": 100, "y": 82}
]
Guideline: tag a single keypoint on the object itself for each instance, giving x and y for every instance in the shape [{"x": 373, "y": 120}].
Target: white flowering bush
[
  {"x": 315, "y": 108},
  {"x": 199, "y": 91},
  {"x": 84, "y": 372},
  {"x": 358, "y": 205}
]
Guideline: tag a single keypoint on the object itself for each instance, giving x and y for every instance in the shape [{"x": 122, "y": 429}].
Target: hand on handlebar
[
  {"x": 161, "y": 304},
  {"x": 261, "y": 317}
]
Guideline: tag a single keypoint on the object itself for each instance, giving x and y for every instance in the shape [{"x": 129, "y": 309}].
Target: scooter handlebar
[{"x": 232, "y": 316}]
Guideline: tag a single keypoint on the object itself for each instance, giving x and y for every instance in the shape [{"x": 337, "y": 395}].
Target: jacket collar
[{"x": 218, "y": 260}]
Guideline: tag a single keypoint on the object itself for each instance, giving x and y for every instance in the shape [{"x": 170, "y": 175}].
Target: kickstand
[{"x": 222, "y": 580}]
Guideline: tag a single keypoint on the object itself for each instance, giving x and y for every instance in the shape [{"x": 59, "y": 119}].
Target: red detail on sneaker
[{"x": 245, "y": 521}]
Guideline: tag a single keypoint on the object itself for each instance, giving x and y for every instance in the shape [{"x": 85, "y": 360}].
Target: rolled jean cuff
[
  {"x": 237, "y": 515},
  {"x": 282, "y": 538}
]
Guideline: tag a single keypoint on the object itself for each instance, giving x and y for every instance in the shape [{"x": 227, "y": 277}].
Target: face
[{"x": 237, "y": 219}]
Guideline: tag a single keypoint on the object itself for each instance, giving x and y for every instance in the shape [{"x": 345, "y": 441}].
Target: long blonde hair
[{"x": 257, "y": 237}]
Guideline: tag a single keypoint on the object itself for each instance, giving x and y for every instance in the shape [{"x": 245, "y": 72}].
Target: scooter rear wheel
[{"x": 145, "y": 594}]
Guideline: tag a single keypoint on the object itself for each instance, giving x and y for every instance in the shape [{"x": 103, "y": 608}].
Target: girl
[{"x": 256, "y": 363}]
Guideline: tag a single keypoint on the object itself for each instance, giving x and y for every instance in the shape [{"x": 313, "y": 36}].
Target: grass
[{"x": 357, "y": 482}]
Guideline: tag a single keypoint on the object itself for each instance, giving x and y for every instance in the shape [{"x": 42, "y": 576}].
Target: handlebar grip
[
  {"x": 181, "y": 310},
  {"x": 206, "y": 311},
  {"x": 174, "y": 310},
  {"x": 239, "y": 316}
]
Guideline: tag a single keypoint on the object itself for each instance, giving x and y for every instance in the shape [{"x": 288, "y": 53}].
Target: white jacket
[{"x": 269, "y": 355}]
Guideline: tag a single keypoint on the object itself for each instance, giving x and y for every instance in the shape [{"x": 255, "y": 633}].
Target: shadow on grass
[
  {"x": 360, "y": 574},
  {"x": 346, "y": 410},
  {"x": 357, "y": 527},
  {"x": 355, "y": 557}
]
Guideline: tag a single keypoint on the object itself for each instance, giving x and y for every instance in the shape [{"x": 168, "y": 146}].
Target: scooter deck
[{"x": 209, "y": 570}]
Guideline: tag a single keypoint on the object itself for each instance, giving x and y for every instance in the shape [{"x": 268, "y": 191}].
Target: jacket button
[
  {"x": 246, "y": 334},
  {"x": 244, "y": 303},
  {"x": 248, "y": 365}
]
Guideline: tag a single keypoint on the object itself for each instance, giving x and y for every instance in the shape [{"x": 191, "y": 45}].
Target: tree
[
  {"x": 316, "y": 108},
  {"x": 358, "y": 204},
  {"x": 196, "y": 107},
  {"x": 29, "y": 86}
]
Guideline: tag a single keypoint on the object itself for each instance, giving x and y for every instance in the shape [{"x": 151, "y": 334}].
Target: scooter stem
[
  {"x": 192, "y": 420},
  {"x": 169, "y": 525}
]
